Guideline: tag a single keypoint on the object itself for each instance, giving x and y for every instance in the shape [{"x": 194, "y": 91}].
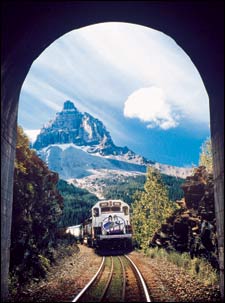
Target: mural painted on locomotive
[{"x": 113, "y": 224}]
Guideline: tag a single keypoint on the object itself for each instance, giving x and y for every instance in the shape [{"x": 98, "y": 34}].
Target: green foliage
[
  {"x": 77, "y": 204},
  {"x": 37, "y": 207},
  {"x": 173, "y": 186},
  {"x": 150, "y": 208},
  {"x": 206, "y": 155},
  {"x": 124, "y": 188},
  {"x": 197, "y": 267}
]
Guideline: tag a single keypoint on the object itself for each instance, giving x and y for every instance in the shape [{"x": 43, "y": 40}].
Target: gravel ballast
[{"x": 166, "y": 281}]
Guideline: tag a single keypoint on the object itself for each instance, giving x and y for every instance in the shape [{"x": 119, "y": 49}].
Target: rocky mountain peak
[
  {"x": 82, "y": 129},
  {"x": 72, "y": 126},
  {"x": 68, "y": 105}
]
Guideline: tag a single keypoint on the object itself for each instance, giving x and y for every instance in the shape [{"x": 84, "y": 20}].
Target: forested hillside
[
  {"x": 173, "y": 186},
  {"x": 78, "y": 201},
  {"x": 125, "y": 188},
  {"x": 77, "y": 204}
]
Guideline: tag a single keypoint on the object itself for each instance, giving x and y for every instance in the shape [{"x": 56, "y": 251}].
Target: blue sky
[{"x": 136, "y": 80}]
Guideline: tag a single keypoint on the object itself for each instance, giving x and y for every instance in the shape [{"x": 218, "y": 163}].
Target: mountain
[
  {"x": 82, "y": 129},
  {"x": 72, "y": 161},
  {"x": 78, "y": 146}
]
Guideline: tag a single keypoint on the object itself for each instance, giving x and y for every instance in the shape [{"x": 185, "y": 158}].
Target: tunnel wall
[{"x": 28, "y": 28}]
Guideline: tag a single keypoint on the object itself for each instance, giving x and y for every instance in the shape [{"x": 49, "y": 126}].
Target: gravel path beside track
[{"x": 167, "y": 282}]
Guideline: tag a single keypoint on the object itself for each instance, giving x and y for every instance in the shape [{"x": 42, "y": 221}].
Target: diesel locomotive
[{"x": 109, "y": 226}]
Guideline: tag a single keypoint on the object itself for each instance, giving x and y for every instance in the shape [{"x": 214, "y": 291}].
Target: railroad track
[{"x": 117, "y": 280}]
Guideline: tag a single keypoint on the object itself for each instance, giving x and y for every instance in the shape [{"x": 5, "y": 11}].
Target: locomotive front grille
[{"x": 108, "y": 237}]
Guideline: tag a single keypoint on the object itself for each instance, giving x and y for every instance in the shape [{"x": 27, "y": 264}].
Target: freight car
[
  {"x": 77, "y": 231},
  {"x": 109, "y": 226}
]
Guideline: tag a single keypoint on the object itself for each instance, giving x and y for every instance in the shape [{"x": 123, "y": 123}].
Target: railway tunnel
[{"x": 29, "y": 27}]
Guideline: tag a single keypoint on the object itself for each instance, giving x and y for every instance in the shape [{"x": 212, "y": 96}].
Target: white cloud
[
  {"x": 150, "y": 105},
  {"x": 32, "y": 134},
  {"x": 152, "y": 59},
  {"x": 105, "y": 63}
]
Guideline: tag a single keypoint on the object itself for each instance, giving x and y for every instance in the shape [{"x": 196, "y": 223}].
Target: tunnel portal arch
[{"x": 29, "y": 27}]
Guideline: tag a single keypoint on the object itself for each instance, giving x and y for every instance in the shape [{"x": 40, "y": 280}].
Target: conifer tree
[{"x": 150, "y": 208}]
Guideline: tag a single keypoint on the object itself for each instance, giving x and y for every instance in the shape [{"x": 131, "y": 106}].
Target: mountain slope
[
  {"x": 77, "y": 145},
  {"x": 71, "y": 161}
]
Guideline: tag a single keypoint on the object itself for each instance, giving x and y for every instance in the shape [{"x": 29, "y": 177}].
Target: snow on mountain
[
  {"x": 181, "y": 172},
  {"x": 71, "y": 161},
  {"x": 76, "y": 145}
]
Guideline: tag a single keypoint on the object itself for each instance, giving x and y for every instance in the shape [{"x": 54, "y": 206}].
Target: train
[
  {"x": 109, "y": 226},
  {"x": 77, "y": 231}
]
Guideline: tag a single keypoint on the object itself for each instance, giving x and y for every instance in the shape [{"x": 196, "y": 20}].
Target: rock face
[
  {"x": 82, "y": 129},
  {"x": 71, "y": 126},
  {"x": 71, "y": 130},
  {"x": 192, "y": 228}
]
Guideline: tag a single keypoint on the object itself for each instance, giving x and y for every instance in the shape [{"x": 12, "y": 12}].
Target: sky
[{"x": 138, "y": 81}]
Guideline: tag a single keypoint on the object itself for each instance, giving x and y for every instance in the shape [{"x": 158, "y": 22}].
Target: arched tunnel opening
[{"x": 28, "y": 28}]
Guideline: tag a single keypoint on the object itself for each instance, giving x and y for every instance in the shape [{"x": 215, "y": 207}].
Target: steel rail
[
  {"x": 124, "y": 280},
  {"x": 90, "y": 282},
  {"x": 108, "y": 282},
  {"x": 141, "y": 279}
]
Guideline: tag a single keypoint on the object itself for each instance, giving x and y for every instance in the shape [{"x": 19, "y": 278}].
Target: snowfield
[{"x": 72, "y": 161}]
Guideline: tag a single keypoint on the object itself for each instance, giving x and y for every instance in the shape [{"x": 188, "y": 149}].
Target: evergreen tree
[
  {"x": 150, "y": 208},
  {"x": 77, "y": 204},
  {"x": 124, "y": 188},
  {"x": 206, "y": 155}
]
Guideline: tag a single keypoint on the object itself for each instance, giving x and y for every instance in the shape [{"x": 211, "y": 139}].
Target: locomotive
[{"x": 109, "y": 226}]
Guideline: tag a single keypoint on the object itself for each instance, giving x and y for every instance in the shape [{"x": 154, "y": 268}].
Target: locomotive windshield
[{"x": 110, "y": 209}]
